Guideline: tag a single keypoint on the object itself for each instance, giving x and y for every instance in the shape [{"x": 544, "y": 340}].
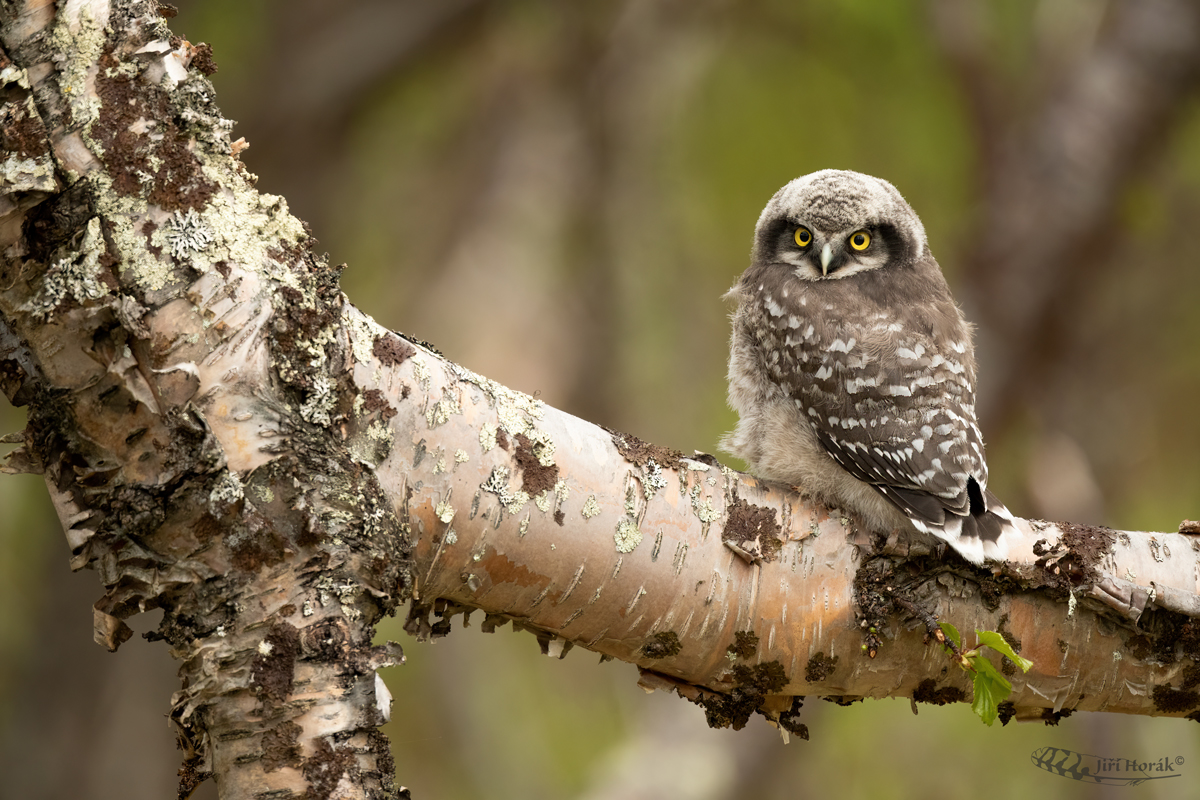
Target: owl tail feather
[{"x": 984, "y": 532}]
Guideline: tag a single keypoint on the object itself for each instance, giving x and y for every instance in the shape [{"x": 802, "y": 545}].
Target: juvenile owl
[{"x": 852, "y": 369}]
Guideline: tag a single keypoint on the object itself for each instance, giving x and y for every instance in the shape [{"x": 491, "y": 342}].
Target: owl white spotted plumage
[{"x": 852, "y": 369}]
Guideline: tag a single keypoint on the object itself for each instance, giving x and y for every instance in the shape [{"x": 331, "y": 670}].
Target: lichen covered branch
[
  {"x": 591, "y": 538},
  {"x": 182, "y": 355}
]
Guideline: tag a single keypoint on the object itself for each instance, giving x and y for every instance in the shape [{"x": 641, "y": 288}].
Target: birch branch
[{"x": 596, "y": 539}]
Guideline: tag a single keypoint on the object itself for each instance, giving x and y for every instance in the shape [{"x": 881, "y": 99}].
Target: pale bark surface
[
  {"x": 144, "y": 323},
  {"x": 225, "y": 437}
]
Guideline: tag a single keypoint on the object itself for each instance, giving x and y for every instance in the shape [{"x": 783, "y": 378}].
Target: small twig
[{"x": 930, "y": 621}]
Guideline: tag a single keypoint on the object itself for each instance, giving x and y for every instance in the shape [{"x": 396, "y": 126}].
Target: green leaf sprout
[{"x": 991, "y": 687}]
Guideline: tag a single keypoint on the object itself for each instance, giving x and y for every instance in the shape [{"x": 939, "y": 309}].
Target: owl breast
[{"x": 836, "y": 371}]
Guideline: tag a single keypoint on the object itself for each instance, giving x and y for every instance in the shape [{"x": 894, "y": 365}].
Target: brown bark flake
[
  {"x": 752, "y": 532},
  {"x": 536, "y": 477},
  {"x": 127, "y": 107},
  {"x": 324, "y": 770},
  {"x": 273, "y": 668},
  {"x": 281, "y": 747},
  {"x": 391, "y": 350},
  {"x": 638, "y": 452}
]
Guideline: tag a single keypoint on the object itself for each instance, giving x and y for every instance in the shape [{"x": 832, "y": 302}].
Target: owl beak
[{"x": 826, "y": 257}]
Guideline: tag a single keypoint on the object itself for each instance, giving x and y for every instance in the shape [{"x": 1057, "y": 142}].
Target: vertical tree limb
[
  {"x": 1052, "y": 179},
  {"x": 148, "y": 297}
]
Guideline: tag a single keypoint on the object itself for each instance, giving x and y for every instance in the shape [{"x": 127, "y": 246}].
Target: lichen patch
[
  {"x": 745, "y": 645},
  {"x": 497, "y": 484},
  {"x": 591, "y": 508},
  {"x": 440, "y": 412},
  {"x": 516, "y": 412},
  {"x": 487, "y": 437},
  {"x": 662, "y": 645},
  {"x": 819, "y": 667},
  {"x": 628, "y": 536},
  {"x": 751, "y": 685}
]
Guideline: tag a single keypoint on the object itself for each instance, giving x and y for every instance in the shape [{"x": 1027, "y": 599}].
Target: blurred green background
[{"x": 556, "y": 194}]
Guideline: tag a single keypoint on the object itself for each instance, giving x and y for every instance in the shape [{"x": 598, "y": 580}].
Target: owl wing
[{"x": 905, "y": 424}]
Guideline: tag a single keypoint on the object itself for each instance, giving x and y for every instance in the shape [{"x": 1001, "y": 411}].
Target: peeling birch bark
[
  {"x": 226, "y": 438},
  {"x": 645, "y": 556},
  {"x": 181, "y": 352}
]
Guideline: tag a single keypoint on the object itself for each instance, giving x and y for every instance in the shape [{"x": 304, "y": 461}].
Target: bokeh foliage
[{"x": 556, "y": 195}]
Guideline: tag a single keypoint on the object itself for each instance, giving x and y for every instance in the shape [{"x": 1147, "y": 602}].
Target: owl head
[{"x": 832, "y": 224}]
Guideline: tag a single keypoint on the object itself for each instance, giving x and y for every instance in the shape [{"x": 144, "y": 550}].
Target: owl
[{"x": 852, "y": 369}]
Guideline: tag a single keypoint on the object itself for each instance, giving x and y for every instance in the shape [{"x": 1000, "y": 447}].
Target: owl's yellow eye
[
  {"x": 803, "y": 237},
  {"x": 860, "y": 240}
]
